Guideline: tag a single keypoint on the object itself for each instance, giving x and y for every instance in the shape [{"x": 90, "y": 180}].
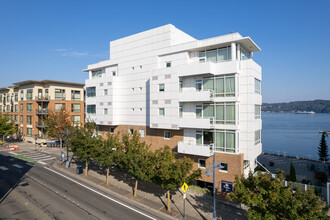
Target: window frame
[
  {"x": 161, "y": 87},
  {"x": 199, "y": 163},
  {"x": 165, "y": 136},
  {"x": 159, "y": 111}
]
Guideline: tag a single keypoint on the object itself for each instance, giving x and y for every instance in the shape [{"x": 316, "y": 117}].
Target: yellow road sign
[{"x": 184, "y": 187}]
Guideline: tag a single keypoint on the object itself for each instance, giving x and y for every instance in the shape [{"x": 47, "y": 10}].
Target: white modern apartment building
[{"x": 190, "y": 94}]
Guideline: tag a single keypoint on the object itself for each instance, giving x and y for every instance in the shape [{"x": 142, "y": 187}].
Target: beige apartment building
[{"x": 29, "y": 101}]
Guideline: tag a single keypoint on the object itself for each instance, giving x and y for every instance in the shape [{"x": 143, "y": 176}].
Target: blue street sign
[{"x": 226, "y": 186}]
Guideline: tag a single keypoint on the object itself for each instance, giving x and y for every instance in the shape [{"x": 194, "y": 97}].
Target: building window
[
  {"x": 219, "y": 113},
  {"x": 29, "y": 132},
  {"x": 39, "y": 93},
  {"x": 221, "y": 86},
  {"x": 225, "y": 167},
  {"x": 223, "y": 140},
  {"x": 75, "y": 120},
  {"x": 141, "y": 132},
  {"x": 199, "y": 138},
  {"x": 8, "y": 108},
  {"x": 168, "y": 64},
  {"x": 97, "y": 73},
  {"x": 202, "y": 163},
  {"x": 161, "y": 87},
  {"x": 257, "y": 86},
  {"x": 75, "y": 95},
  {"x": 257, "y": 111},
  {"x": 180, "y": 110},
  {"x": 59, "y": 107},
  {"x": 112, "y": 130},
  {"x": 105, "y": 91},
  {"x": 0, "y": 98},
  {"x": 215, "y": 55},
  {"x": 46, "y": 94},
  {"x": 257, "y": 137},
  {"x": 29, "y": 107},
  {"x": 167, "y": 135},
  {"x": 21, "y": 106},
  {"x": 75, "y": 108},
  {"x": 21, "y": 119},
  {"x": 161, "y": 111},
  {"x": 130, "y": 131},
  {"x": 22, "y": 95},
  {"x": 16, "y": 118},
  {"x": 198, "y": 85},
  {"x": 29, "y": 94},
  {"x": 105, "y": 111},
  {"x": 91, "y": 92},
  {"x": 16, "y": 108},
  {"x": 113, "y": 73},
  {"x": 244, "y": 54},
  {"x": 180, "y": 85},
  {"x": 16, "y": 97},
  {"x": 91, "y": 109},
  {"x": 199, "y": 109},
  {"x": 59, "y": 94},
  {"x": 21, "y": 131},
  {"x": 29, "y": 120}
]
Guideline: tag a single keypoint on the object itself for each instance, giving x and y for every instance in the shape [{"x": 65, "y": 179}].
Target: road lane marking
[
  {"x": 47, "y": 159},
  {"x": 12, "y": 153},
  {"x": 18, "y": 166},
  {"x": 30, "y": 164},
  {"x": 43, "y": 163},
  {"x": 107, "y": 197},
  {"x": 3, "y": 168}
]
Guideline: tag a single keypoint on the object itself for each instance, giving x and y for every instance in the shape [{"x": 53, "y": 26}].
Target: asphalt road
[{"x": 38, "y": 192}]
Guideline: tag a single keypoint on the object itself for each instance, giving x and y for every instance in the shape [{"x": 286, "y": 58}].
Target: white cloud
[{"x": 60, "y": 50}]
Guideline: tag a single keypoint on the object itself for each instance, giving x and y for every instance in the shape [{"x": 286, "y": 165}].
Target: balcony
[
  {"x": 40, "y": 124},
  {"x": 45, "y": 98},
  {"x": 201, "y": 123},
  {"x": 193, "y": 149},
  {"x": 195, "y": 96},
  {"x": 41, "y": 111},
  {"x": 209, "y": 68}
]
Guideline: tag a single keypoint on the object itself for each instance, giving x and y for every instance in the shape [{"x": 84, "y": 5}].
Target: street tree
[
  {"x": 57, "y": 123},
  {"x": 105, "y": 153},
  {"x": 292, "y": 175},
  {"x": 171, "y": 172},
  {"x": 268, "y": 198},
  {"x": 323, "y": 148},
  {"x": 83, "y": 143},
  {"x": 7, "y": 126},
  {"x": 136, "y": 158}
]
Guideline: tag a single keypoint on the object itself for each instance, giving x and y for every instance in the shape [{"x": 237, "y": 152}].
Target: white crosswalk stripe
[
  {"x": 30, "y": 164},
  {"x": 39, "y": 156},
  {"x": 3, "y": 168}
]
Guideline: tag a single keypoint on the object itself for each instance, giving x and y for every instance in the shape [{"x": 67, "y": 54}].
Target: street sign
[
  {"x": 226, "y": 186},
  {"x": 184, "y": 187}
]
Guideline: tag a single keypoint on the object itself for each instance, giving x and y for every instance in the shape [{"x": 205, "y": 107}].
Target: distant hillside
[{"x": 318, "y": 106}]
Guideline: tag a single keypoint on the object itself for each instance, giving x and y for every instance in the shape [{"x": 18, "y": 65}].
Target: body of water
[{"x": 293, "y": 134}]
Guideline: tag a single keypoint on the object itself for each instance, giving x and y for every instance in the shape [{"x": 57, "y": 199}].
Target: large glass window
[
  {"x": 21, "y": 119},
  {"x": 16, "y": 118},
  {"x": 97, "y": 73},
  {"x": 161, "y": 111},
  {"x": 59, "y": 107},
  {"x": 257, "y": 111},
  {"x": 39, "y": 93},
  {"x": 75, "y": 119},
  {"x": 29, "y": 107},
  {"x": 29, "y": 132},
  {"x": 22, "y": 95},
  {"x": 257, "y": 137},
  {"x": 199, "y": 110},
  {"x": 91, "y": 109},
  {"x": 244, "y": 54},
  {"x": 223, "y": 140},
  {"x": 75, "y": 95},
  {"x": 29, "y": 120},
  {"x": 21, "y": 106},
  {"x": 219, "y": 113},
  {"x": 215, "y": 55},
  {"x": 161, "y": 87},
  {"x": 16, "y": 108},
  {"x": 75, "y": 108},
  {"x": 29, "y": 94},
  {"x": 222, "y": 86},
  {"x": 91, "y": 92},
  {"x": 59, "y": 94},
  {"x": 16, "y": 96},
  {"x": 257, "y": 86},
  {"x": 198, "y": 85}
]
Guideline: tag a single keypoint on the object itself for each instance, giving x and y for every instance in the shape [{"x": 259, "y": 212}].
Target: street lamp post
[
  {"x": 208, "y": 173},
  {"x": 67, "y": 145}
]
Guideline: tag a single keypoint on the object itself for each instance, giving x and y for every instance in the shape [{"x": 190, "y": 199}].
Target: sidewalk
[{"x": 148, "y": 194}]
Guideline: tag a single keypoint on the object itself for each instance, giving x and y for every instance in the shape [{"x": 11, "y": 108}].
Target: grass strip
[{"x": 24, "y": 158}]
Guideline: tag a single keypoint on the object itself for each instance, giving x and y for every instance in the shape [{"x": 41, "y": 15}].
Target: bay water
[{"x": 293, "y": 134}]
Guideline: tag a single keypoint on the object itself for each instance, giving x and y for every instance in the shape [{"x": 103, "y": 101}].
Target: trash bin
[{"x": 79, "y": 170}]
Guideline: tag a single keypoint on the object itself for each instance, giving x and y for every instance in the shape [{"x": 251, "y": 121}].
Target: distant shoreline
[{"x": 317, "y": 106}]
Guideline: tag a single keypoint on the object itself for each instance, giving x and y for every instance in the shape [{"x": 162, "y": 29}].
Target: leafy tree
[
  {"x": 6, "y": 126},
  {"x": 292, "y": 175},
  {"x": 57, "y": 122},
  {"x": 268, "y": 198},
  {"x": 136, "y": 158},
  {"x": 323, "y": 148},
  {"x": 105, "y": 153},
  {"x": 172, "y": 172},
  {"x": 84, "y": 142}
]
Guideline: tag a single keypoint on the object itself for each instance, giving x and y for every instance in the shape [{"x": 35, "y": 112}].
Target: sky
[{"x": 57, "y": 39}]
